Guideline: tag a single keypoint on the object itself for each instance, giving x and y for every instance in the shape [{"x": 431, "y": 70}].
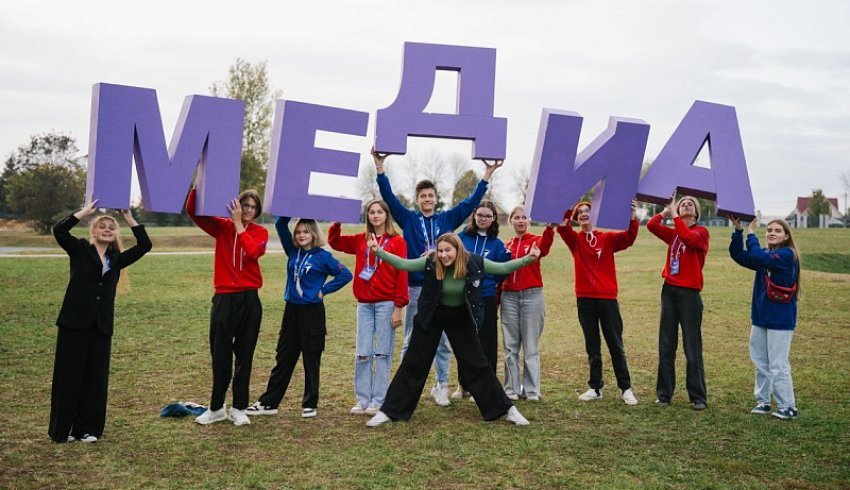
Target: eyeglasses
[
  {"x": 483, "y": 216},
  {"x": 249, "y": 206}
]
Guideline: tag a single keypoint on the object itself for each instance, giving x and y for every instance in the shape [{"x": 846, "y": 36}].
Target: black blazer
[
  {"x": 90, "y": 296},
  {"x": 432, "y": 287}
]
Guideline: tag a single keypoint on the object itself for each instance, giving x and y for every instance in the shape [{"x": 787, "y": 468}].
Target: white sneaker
[
  {"x": 260, "y": 409},
  {"x": 378, "y": 419},
  {"x": 88, "y": 438},
  {"x": 71, "y": 438},
  {"x": 239, "y": 417},
  {"x": 591, "y": 395},
  {"x": 512, "y": 396},
  {"x": 516, "y": 418},
  {"x": 307, "y": 413},
  {"x": 212, "y": 416},
  {"x": 357, "y": 410},
  {"x": 459, "y": 393},
  {"x": 440, "y": 394},
  {"x": 372, "y": 410},
  {"x": 629, "y": 397},
  {"x": 533, "y": 398}
]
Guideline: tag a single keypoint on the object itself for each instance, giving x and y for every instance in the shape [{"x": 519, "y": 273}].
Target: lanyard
[
  {"x": 377, "y": 259},
  {"x": 300, "y": 264},
  {"x": 675, "y": 249},
  {"x": 475, "y": 247},
  {"x": 430, "y": 241}
]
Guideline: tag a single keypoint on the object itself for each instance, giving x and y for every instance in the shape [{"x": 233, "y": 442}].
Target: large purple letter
[
  {"x": 126, "y": 122},
  {"x": 726, "y": 181},
  {"x": 474, "y": 120},
  {"x": 294, "y": 156},
  {"x": 559, "y": 178}
]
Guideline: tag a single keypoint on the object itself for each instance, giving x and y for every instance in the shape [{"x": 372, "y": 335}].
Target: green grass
[{"x": 160, "y": 355}]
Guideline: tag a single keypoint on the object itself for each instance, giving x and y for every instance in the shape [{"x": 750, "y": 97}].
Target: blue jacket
[
  {"x": 313, "y": 265},
  {"x": 416, "y": 227},
  {"x": 784, "y": 271},
  {"x": 489, "y": 248}
]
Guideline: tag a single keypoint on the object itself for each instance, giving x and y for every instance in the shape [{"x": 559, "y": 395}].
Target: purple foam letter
[
  {"x": 474, "y": 120},
  {"x": 294, "y": 155},
  {"x": 126, "y": 122},
  {"x": 559, "y": 178},
  {"x": 727, "y": 180}
]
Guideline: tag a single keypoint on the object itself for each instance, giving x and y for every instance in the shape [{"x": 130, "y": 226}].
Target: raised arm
[
  {"x": 210, "y": 224},
  {"x": 694, "y": 238},
  {"x": 254, "y": 242},
  {"x": 505, "y": 268},
  {"x": 566, "y": 231},
  {"x": 547, "y": 240},
  {"x": 342, "y": 243},
  {"x": 399, "y": 213},
  {"x": 281, "y": 225},
  {"x": 458, "y": 214}
]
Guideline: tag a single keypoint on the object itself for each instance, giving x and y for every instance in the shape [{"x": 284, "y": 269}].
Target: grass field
[{"x": 160, "y": 355}]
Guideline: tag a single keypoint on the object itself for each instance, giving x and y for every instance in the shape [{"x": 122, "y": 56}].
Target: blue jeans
[
  {"x": 374, "y": 352},
  {"x": 769, "y": 352},
  {"x": 444, "y": 352}
]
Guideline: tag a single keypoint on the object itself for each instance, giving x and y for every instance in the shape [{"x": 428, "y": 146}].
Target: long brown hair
[
  {"x": 460, "y": 260},
  {"x": 389, "y": 227},
  {"x": 115, "y": 247},
  {"x": 789, "y": 242},
  {"x": 493, "y": 229}
]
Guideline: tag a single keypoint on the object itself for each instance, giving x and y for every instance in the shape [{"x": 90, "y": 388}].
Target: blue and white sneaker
[
  {"x": 786, "y": 413},
  {"x": 761, "y": 409}
]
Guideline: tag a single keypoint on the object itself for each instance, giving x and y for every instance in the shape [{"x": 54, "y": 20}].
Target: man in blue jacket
[{"x": 421, "y": 230}]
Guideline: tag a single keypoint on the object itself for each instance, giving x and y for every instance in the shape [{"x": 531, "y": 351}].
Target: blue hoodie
[
  {"x": 490, "y": 248},
  {"x": 314, "y": 266},
  {"x": 415, "y": 227},
  {"x": 784, "y": 272}
]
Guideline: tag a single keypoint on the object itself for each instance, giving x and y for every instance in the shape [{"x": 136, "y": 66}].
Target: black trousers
[
  {"x": 487, "y": 334},
  {"x": 302, "y": 330},
  {"x": 234, "y": 327},
  {"x": 594, "y": 313},
  {"x": 408, "y": 382},
  {"x": 680, "y": 306},
  {"x": 80, "y": 381}
]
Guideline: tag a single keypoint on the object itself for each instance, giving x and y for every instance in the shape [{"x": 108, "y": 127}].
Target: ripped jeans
[{"x": 374, "y": 352}]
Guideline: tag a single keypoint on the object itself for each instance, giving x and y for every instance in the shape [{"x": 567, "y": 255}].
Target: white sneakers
[
  {"x": 372, "y": 410},
  {"x": 239, "y": 417},
  {"x": 440, "y": 394},
  {"x": 212, "y": 416},
  {"x": 459, "y": 393},
  {"x": 260, "y": 409},
  {"x": 307, "y": 413},
  {"x": 357, "y": 410},
  {"x": 629, "y": 397},
  {"x": 590, "y": 395},
  {"x": 515, "y": 417},
  {"x": 378, "y": 419}
]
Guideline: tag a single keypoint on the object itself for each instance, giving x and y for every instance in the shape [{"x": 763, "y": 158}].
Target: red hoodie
[
  {"x": 691, "y": 248},
  {"x": 593, "y": 256},
  {"x": 387, "y": 283},
  {"x": 529, "y": 276},
  {"x": 236, "y": 255}
]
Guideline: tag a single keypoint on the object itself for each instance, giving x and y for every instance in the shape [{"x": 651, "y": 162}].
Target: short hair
[
  {"x": 688, "y": 198},
  {"x": 314, "y": 229},
  {"x": 422, "y": 185},
  {"x": 253, "y": 194}
]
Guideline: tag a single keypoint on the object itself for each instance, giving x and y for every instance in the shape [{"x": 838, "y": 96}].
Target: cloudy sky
[{"x": 785, "y": 66}]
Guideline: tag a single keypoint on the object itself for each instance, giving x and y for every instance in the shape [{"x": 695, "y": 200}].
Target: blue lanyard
[
  {"x": 377, "y": 259},
  {"x": 678, "y": 250},
  {"x": 430, "y": 242},
  {"x": 475, "y": 247},
  {"x": 299, "y": 267}
]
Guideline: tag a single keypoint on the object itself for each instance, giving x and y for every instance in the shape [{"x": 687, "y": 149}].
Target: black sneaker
[
  {"x": 699, "y": 406},
  {"x": 260, "y": 409},
  {"x": 786, "y": 413},
  {"x": 761, "y": 409},
  {"x": 88, "y": 438},
  {"x": 661, "y": 403}
]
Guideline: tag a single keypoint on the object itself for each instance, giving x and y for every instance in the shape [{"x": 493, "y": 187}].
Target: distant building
[{"x": 799, "y": 217}]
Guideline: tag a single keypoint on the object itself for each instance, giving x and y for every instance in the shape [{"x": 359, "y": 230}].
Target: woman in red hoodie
[
  {"x": 236, "y": 310},
  {"x": 596, "y": 295},
  {"x": 522, "y": 309},
  {"x": 381, "y": 292},
  {"x": 681, "y": 304}
]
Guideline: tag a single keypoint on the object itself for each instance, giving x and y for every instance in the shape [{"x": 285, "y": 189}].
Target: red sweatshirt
[
  {"x": 236, "y": 255},
  {"x": 691, "y": 246},
  {"x": 387, "y": 283},
  {"x": 593, "y": 256},
  {"x": 529, "y": 276}
]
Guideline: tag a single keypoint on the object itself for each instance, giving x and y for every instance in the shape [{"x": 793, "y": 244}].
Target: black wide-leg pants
[
  {"x": 235, "y": 321},
  {"x": 488, "y": 334},
  {"x": 680, "y": 306},
  {"x": 595, "y": 314}
]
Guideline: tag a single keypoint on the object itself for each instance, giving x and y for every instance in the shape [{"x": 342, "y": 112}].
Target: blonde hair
[
  {"x": 115, "y": 247},
  {"x": 460, "y": 260},
  {"x": 389, "y": 227},
  {"x": 314, "y": 229},
  {"x": 789, "y": 242}
]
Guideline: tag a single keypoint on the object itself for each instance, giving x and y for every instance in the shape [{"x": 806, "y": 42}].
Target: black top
[
  {"x": 429, "y": 298},
  {"x": 90, "y": 296}
]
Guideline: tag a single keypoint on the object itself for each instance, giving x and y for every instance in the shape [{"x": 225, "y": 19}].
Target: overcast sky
[{"x": 785, "y": 66}]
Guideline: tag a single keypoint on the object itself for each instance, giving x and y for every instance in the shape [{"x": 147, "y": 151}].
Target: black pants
[
  {"x": 408, "y": 382},
  {"x": 234, "y": 326},
  {"x": 302, "y": 330},
  {"x": 80, "y": 380},
  {"x": 487, "y": 334},
  {"x": 680, "y": 306},
  {"x": 594, "y": 313}
]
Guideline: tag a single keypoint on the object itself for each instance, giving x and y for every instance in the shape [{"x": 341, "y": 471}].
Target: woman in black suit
[{"x": 84, "y": 341}]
